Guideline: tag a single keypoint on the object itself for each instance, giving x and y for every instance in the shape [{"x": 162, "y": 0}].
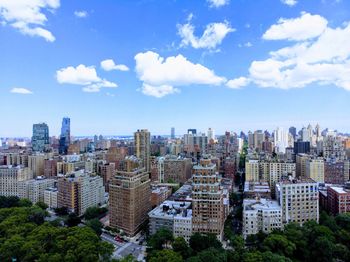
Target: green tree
[
  {"x": 165, "y": 255},
  {"x": 95, "y": 225},
  {"x": 200, "y": 242},
  {"x": 24, "y": 202},
  {"x": 91, "y": 213},
  {"x": 279, "y": 244},
  {"x": 180, "y": 246},
  {"x": 212, "y": 254},
  {"x": 72, "y": 220},
  {"x": 42, "y": 205},
  {"x": 160, "y": 239}
]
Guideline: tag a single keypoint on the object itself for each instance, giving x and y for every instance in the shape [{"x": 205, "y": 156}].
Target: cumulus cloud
[
  {"x": 305, "y": 27},
  {"x": 27, "y": 16},
  {"x": 212, "y": 36},
  {"x": 160, "y": 76},
  {"x": 109, "y": 65},
  {"x": 289, "y": 2},
  {"x": 237, "y": 82},
  {"x": 322, "y": 59},
  {"x": 21, "y": 90},
  {"x": 217, "y": 3},
  {"x": 85, "y": 76},
  {"x": 81, "y": 14}
]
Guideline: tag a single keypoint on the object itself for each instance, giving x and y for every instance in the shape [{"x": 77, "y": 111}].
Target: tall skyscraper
[
  {"x": 293, "y": 131},
  {"x": 40, "y": 138},
  {"x": 65, "y": 136},
  {"x": 211, "y": 134},
  {"x": 142, "y": 140},
  {"x": 208, "y": 215},
  {"x": 172, "y": 136},
  {"x": 281, "y": 139}
]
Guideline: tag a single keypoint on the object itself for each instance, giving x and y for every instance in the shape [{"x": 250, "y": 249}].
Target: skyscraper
[
  {"x": 40, "y": 138},
  {"x": 65, "y": 136},
  {"x": 172, "y": 136},
  {"x": 281, "y": 139},
  {"x": 142, "y": 140},
  {"x": 211, "y": 134},
  {"x": 293, "y": 131}
]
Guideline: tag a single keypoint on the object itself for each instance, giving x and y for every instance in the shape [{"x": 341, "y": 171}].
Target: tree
[
  {"x": 200, "y": 242},
  {"x": 42, "y": 205},
  {"x": 212, "y": 254},
  {"x": 61, "y": 211},
  {"x": 180, "y": 246},
  {"x": 91, "y": 212},
  {"x": 95, "y": 225},
  {"x": 72, "y": 220},
  {"x": 24, "y": 203},
  {"x": 160, "y": 239},
  {"x": 279, "y": 244},
  {"x": 165, "y": 255}
]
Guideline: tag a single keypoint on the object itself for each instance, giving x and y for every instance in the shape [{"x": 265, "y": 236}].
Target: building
[
  {"x": 174, "y": 216},
  {"x": 40, "y": 138},
  {"x": 159, "y": 194},
  {"x": 177, "y": 169},
  {"x": 207, "y": 199},
  {"x": 34, "y": 189},
  {"x": 333, "y": 148},
  {"x": 301, "y": 147},
  {"x": 172, "y": 134},
  {"x": 65, "y": 136},
  {"x": 50, "y": 197},
  {"x": 50, "y": 168},
  {"x": 261, "y": 215},
  {"x": 36, "y": 164},
  {"x": 129, "y": 199},
  {"x": 315, "y": 169},
  {"x": 281, "y": 140},
  {"x": 336, "y": 172},
  {"x": 338, "y": 200},
  {"x": 298, "y": 199},
  {"x": 293, "y": 131},
  {"x": 142, "y": 139},
  {"x": 78, "y": 191},
  {"x": 255, "y": 190},
  {"x": 106, "y": 171},
  {"x": 252, "y": 170},
  {"x": 301, "y": 160},
  {"x": 11, "y": 178}
]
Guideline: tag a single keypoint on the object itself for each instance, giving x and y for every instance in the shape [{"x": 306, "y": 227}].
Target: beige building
[
  {"x": 129, "y": 200},
  {"x": 315, "y": 169},
  {"x": 208, "y": 212},
  {"x": 177, "y": 169},
  {"x": 50, "y": 197},
  {"x": 301, "y": 160},
  {"x": 252, "y": 171},
  {"x": 36, "y": 164},
  {"x": 11, "y": 178},
  {"x": 33, "y": 189},
  {"x": 299, "y": 200},
  {"x": 142, "y": 139}
]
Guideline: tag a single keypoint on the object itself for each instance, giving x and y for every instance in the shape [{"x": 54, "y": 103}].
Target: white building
[
  {"x": 280, "y": 137},
  {"x": 34, "y": 189},
  {"x": 50, "y": 197},
  {"x": 298, "y": 199},
  {"x": 261, "y": 215}
]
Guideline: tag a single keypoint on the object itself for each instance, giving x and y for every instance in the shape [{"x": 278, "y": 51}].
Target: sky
[{"x": 115, "y": 66}]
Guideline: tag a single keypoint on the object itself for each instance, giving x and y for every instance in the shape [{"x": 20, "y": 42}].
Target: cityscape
[{"x": 175, "y": 131}]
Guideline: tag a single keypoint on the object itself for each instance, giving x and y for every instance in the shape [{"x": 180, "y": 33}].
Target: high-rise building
[
  {"x": 301, "y": 147},
  {"x": 177, "y": 169},
  {"x": 10, "y": 179},
  {"x": 36, "y": 164},
  {"x": 301, "y": 160},
  {"x": 129, "y": 199},
  {"x": 315, "y": 169},
  {"x": 207, "y": 199},
  {"x": 211, "y": 134},
  {"x": 34, "y": 189},
  {"x": 333, "y": 147},
  {"x": 142, "y": 139},
  {"x": 293, "y": 131},
  {"x": 299, "y": 200},
  {"x": 259, "y": 137},
  {"x": 65, "y": 136},
  {"x": 281, "y": 140},
  {"x": 172, "y": 135},
  {"x": 78, "y": 191},
  {"x": 252, "y": 170},
  {"x": 40, "y": 138}
]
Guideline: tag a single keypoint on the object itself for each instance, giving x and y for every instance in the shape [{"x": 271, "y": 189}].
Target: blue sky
[{"x": 240, "y": 65}]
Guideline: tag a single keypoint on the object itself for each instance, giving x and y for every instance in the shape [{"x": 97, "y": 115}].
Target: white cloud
[
  {"x": 109, "y": 65},
  {"x": 248, "y": 44},
  {"x": 27, "y": 16},
  {"x": 21, "y": 90},
  {"x": 305, "y": 27},
  {"x": 160, "y": 75},
  {"x": 237, "y": 82},
  {"x": 322, "y": 60},
  {"x": 289, "y": 2},
  {"x": 217, "y": 3},
  {"x": 213, "y": 35},
  {"x": 81, "y": 14},
  {"x": 83, "y": 75},
  {"x": 159, "y": 91}
]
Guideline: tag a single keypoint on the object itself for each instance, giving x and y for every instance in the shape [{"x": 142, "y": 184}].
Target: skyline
[{"x": 233, "y": 66}]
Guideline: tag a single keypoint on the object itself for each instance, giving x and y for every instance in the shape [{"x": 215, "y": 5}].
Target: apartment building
[{"x": 10, "y": 179}]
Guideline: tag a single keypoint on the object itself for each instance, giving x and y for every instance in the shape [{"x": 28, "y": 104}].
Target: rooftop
[{"x": 172, "y": 209}]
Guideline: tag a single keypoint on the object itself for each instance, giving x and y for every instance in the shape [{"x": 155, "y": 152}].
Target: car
[{"x": 118, "y": 239}]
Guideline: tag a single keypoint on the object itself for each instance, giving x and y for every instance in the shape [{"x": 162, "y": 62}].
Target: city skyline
[{"x": 245, "y": 67}]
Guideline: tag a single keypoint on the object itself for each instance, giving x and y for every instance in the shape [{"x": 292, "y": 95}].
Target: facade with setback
[
  {"x": 129, "y": 199},
  {"x": 207, "y": 199}
]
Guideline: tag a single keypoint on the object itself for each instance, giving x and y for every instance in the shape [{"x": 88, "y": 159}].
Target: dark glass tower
[
  {"x": 65, "y": 136},
  {"x": 40, "y": 138}
]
